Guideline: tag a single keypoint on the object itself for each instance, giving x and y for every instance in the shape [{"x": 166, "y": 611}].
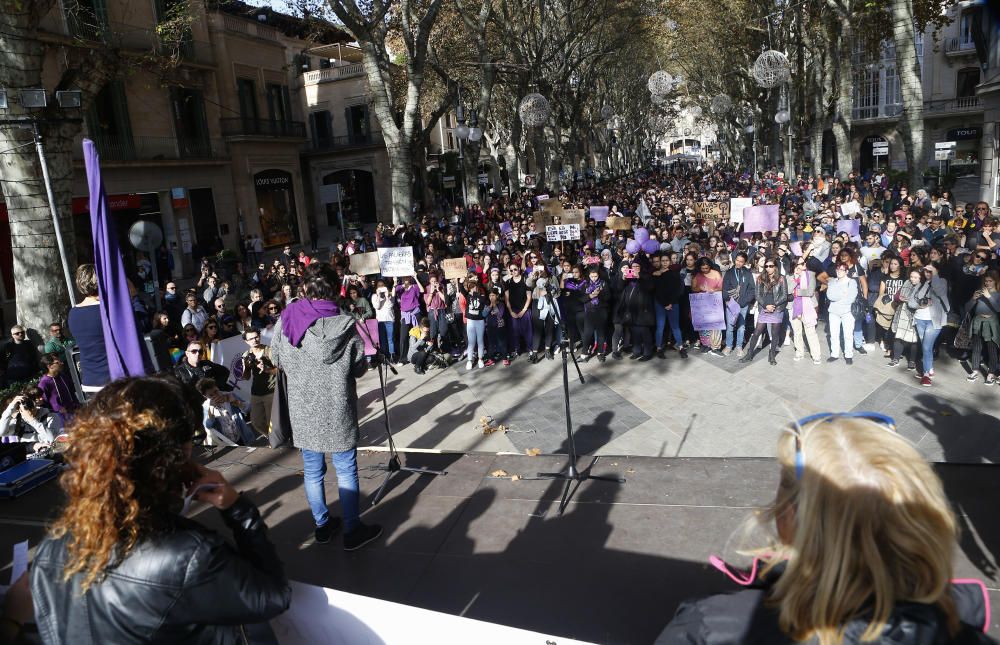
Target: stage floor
[{"x": 476, "y": 543}]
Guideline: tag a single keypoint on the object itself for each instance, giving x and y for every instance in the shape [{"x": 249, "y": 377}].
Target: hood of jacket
[{"x": 329, "y": 336}]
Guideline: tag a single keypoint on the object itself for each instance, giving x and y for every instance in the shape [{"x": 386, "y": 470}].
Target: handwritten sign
[
  {"x": 560, "y": 232},
  {"x": 395, "y": 261},
  {"x": 712, "y": 210},
  {"x": 760, "y": 218},
  {"x": 573, "y": 216},
  {"x": 541, "y": 197},
  {"x": 455, "y": 268},
  {"x": 619, "y": 223},
  {"x": 707, "y": 311},
  {"x": 542, "y": 219},
  {"x": 598, "y": 213},
  {"x": 365, "y": 263},
  {"x": 736, "y": 206},
  {"x": 850, "y": 208}
]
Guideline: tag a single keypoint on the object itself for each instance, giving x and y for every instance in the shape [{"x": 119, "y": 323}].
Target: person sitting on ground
[
  {"x": 223, "y": 413},
  {"x": 420, "y": 346},
  {"x": 122, "y": 541},
  {"x": 56, "y": 387},
  {"x": 864, "y": 549},
  {"x": 27, "y": 419}
]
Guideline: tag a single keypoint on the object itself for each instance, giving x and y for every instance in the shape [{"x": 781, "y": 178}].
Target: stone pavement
[
  {"x": 700, "y": 407},
  {"x": 475, "y": 543}
]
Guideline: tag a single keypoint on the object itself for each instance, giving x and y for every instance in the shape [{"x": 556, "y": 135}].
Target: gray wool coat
[{"x": 322, "y": 383}]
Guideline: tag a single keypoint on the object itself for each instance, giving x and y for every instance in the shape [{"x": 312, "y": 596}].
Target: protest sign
[
  {"x": 542, "y": 219},
  {"x": 368, "y": 334},
  {"x": 796, "y": 248},
  {"x": 736, "y": 206},
  {"x": 758, "y": 219},
  {"x": 851, "y": 226},
  {"x": 395, "y": 261},
  {"x": 229, "y": 353},
  {"x": 619, "y": 223},
  {"x": 365, "y": 263},
  {"x": 553, "y": 206},
  {"x": 541, "y": 197},
  {"x": 455, "y": 268},
  {"x": 850, "y": 208},
  {"x": 573, "y": 216},
  {"x": 561, "y": 232},
  {"x": 598, "y": 213},
  {"x": 506, "y": 229},
  {"x": 707, "y": 311},
  {"x": 711, "y": 210}
]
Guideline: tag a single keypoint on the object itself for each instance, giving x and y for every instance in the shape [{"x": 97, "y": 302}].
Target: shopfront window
[{"x": 276, "y": 207}]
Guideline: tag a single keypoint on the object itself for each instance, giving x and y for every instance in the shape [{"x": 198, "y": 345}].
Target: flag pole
[{"x": 55, "y": 213}]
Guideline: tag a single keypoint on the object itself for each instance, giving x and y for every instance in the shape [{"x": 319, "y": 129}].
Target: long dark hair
[{"x": 321, "y": 282}]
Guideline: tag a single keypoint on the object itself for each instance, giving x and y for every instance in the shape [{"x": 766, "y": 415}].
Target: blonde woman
[{"x": 864, "y": 547}]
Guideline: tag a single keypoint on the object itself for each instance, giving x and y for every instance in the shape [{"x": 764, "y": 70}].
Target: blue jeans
[
  {"x": 737, "y": 323},
  {"x": 859, "y": 332},
  {"x": 475, "y": 334},
  {"x": 927, "y": 335},
  {"x": 386, "y": 331},
  {"x": 346, "y": 464},
  {"x": 663, "y": 316}
]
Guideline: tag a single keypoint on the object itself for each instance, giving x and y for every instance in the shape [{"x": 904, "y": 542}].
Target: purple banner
[
  {"x": 707, "y": 311},
  {"x": 758, "y": 219},
  {"x": 599, "y": 213},
  {"x": 121, "y": 339},
  {"x": 851, "y": 226}
]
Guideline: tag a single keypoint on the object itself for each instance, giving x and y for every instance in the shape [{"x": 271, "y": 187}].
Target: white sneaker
[
  {"x": 480, "y": 364},
  {"x": 788, "y": 340},
  {"x": 468, "y": 365}
]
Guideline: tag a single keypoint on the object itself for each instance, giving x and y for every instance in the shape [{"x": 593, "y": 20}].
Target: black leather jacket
[{"x": 188, "y": 586}]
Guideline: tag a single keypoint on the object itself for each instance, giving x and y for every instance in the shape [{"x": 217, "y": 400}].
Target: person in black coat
[
  {"x": 122, "y": 564},
  {"x": 192, "y": 368},
  {"x": 634, "y": 309},
  {"x": 594, "y": 294},
  {"x": 667, "y": 294}
]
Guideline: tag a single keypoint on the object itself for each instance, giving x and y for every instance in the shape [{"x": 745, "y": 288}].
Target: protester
[
  {"x": 194, "y": 367},
  {"x": 57, "y": 390},
  {"x": 27, "y": 419},
  {"x": 322, "y": 356},
  {"x": 122, "y": 541},
  {"x": 259, "y": 369},
  {"x": 58, "y": 342},
  {"x": 85, "y": 324}
]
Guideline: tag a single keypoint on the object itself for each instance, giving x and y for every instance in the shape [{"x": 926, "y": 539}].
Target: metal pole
[
  {"x": 156, "y": 283},
  {"x": 54, "y": 211},
  {"x": 340, "y": 215}
]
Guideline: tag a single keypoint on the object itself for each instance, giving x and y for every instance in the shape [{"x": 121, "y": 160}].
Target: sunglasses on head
[{"x": 883, "y": 421}]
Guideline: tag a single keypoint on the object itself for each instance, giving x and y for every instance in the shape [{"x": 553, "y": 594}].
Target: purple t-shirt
[{"x": 409, "y": 299}]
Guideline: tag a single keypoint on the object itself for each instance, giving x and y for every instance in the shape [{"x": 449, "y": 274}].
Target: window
[
  {"x": 321, "y": 127},
  {"x": 965, "y": 27},
  {"x": 190, "y": 122},
  {"x": 968, "y": 79},
  {"x": 866, "y": 92},
  {"x": 324, "y": 63},
  {"x": 108, "y": 122},
  {"x": 279, "y": 105},
  {"x": 358, "y": 127},
  {"x": 87, "y": 19},
  {"x": 451, "y": 141},
  {"x": 246, "y": 89}
]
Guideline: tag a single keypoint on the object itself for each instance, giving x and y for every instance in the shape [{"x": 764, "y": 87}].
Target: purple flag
[
  {"x": 120, "y": 335},
  {"x": 759, "y": 219}
]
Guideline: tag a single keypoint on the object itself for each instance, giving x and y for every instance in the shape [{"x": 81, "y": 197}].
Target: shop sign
[
  {"x": 81, "y": 205},
  {"x": 965, "y": 134},
  {"x": 273, "y": 180}
]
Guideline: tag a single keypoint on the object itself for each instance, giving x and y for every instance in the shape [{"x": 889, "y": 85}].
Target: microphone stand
[
  {"x": 393, "y": 465},
  {"x": 571, "y": 474}
]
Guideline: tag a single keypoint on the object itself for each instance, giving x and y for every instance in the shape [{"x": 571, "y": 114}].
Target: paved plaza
[{"x": 704, "y": 406}]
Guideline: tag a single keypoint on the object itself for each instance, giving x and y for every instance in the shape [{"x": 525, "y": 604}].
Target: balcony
[
  {"x": 240, "y": 127},
  {"x": 881, "y": 112},
  {"x": 349, "y": 142},
  {"x": 948, "y": 107},
  {"x": 955, "y": 46},
  {"x": 156, "y": 148},
  {"x": 330, "y": 74},
  {"x": 249, "y": 28}
]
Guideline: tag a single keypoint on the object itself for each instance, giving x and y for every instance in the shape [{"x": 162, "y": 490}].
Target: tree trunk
[
  {"x": 401, "y": 181},
  {"x": 842, "y": 119},
  {"x": 908, "y": 67},
  {"x": 470, "y": 171}
]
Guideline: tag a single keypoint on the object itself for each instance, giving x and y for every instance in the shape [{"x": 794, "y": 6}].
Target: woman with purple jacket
[{"x": 407, "y": 295}]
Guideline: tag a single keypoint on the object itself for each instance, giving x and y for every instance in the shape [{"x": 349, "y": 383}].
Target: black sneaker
[
  {"x": 683, "y": 352},
  {"x": 325, "y": 532},
  {"x": 661, "y": 353},
  {"x": 361, "y": 536},
  {"x": 861, "y": 350},
  {"x": 616, "y": 355},
  {"x": 849, "y": 361},
  {"x": 911, "y": 366}
]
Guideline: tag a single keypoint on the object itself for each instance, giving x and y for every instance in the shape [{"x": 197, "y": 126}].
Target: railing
[
  {"x": 240, "y": 127},
  {"x": 956, "y": 45},
  {"x": 158, "y": 148},
  {"x": 960, "y": 104},
  {"x": 881, "y": 111},
  {"x": 249, "y": 27},
  {"x": 357, "y": 140},
  {"x": 333, "y": 74}
]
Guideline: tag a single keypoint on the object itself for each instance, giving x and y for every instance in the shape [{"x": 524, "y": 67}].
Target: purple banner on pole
[
  {"x": 506, "y": 229},
  {"x": 121, "y": 339},
  {"x": 599, "y": 213},
  {"x": 851, "y": 226},
  {"x": 758, "y": 219},
  {"x": 707, "y": 311}
]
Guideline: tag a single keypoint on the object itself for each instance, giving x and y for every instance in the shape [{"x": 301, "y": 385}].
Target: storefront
[
  {"x": 276, "y": 207},
  {"x": 967, "y": 143},
  {"x": 868, "y": 159}
]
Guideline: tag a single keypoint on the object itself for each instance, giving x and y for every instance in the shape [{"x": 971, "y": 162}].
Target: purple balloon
[
  {"x": 650, "y": 246},
  {"x": 641, "y": 235},
  {"x": 632, "y": 246}
]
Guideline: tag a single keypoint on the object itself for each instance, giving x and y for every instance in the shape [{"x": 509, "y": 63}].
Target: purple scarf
[{"x": 301, "y": 314}]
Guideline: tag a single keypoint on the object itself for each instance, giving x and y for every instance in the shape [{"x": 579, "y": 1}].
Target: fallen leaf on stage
[
  {"x": 533, "y": 452},
  {"x": 498, "y": 473}
]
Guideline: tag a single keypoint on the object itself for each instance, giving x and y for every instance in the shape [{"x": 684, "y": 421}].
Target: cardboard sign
[
  {"x": 599, "y": 213},
  {"x": 542, "y": 219},
  {"x": 561, "y": 232},
  {"x": 736, "y": 206},
  {"x": 707, "y": 311},
  {"x": 573, "y": 216},
  {"x": 759, "y": 219},
  {"x": 395, "y": 261},
  {"x": 711, "y": 210},
  {"x": 553, "y": 206},
  {"x": 619, "y": 223},
  {"x": 850, "y": 208},
  {"x": 365, "y": 263},
  {"x": 455, "y": 268}
]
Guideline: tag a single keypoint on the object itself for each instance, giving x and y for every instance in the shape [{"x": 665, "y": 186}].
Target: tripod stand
[
  {"x": 393, "y": 465},
  {"x": 571, "y": 474}
]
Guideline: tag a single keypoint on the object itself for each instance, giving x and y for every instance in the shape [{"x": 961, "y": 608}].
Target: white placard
[
  {"x": 880, "y": 149},
  {"x": 395, "y": 261},
  {"x": 944, "y": 155},
  {"x": 320, "y": 615},
  {"x": 850, "y": 208},
  {"x": 228, "y": 353},
  {"x": 561, "y": 232},
  {"x": 736, "y": 206}
]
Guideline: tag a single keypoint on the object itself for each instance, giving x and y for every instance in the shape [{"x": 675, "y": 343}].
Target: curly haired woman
[{"x": 121, "y": 564}]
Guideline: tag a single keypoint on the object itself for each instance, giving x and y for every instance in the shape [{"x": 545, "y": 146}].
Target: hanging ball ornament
[
  {"x": 695, "y": 111},
  {"x": 771, "y": 69},
  {"x": 658, "y": 99},
  {"x": 721, "y": 104},
  {"x": 782, "y": 117},
  {"x": 534, "y": 110},
  {"x": 607, "y": 112},
  {"x": 660, "y": 83}
]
